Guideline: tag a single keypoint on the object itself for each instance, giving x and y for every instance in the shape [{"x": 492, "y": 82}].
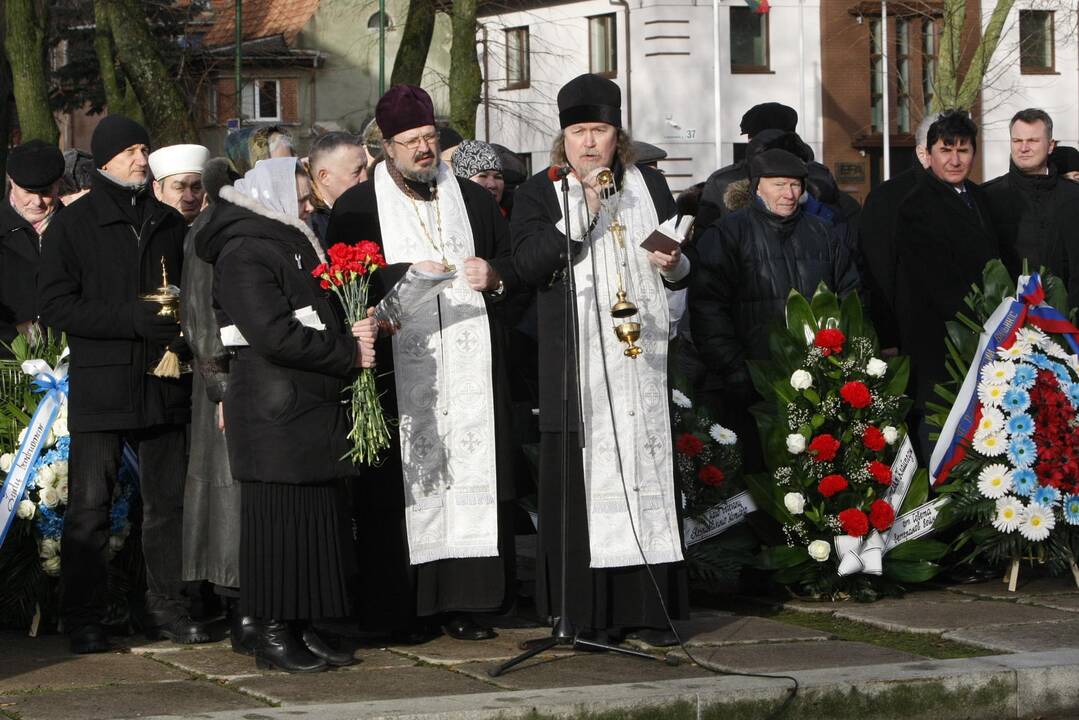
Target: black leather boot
[
  {"x": 174, "y": 623},
  {"x": 89, "y": 639},
  {"x": 463, "y": 627},
  {"x": 320, "y": 648},
  {"x": 244, "y": 633},
  {"x": 280, "y": 648}
]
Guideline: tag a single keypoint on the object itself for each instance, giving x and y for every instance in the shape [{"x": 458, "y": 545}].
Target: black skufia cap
[
  {"x": 35, "y": 165},
  {"x": 590, "y": 98},
  {"x": 769, "y": 116},
  {"x": 776, "y": 163}
]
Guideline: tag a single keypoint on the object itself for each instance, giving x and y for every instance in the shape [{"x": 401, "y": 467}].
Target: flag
[{"x": 758, "y": 6}]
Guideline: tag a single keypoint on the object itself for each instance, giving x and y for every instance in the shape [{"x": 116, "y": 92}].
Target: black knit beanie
[{"x": 113, "y": 135}]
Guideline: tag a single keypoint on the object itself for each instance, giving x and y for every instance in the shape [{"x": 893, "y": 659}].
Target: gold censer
[
  {"x": 168, "y": 299},
  {"x": 627, "y": 331}
]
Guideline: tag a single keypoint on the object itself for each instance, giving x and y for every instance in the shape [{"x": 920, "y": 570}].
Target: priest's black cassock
[
  {"x": 393, "y": 593},
  {"x": 597, "y": 599}
]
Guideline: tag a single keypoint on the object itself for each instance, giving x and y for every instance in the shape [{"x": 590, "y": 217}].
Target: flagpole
[
  {"x": 715, "y": 84},
  {"x": 886, "y": 147}
]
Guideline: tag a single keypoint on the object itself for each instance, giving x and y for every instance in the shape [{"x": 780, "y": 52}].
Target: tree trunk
[
  {"x": 415, "y": 43},
  {"x": 979, "y": 64},
  {"x": 24, "y": 45},
  {"x": 5, "y": 108},
  {"x": 466, "y": 82},
  {"x": 119, "y": 95},
  {"x": 160, "y": 96},
  {"x": 950, "y": 55}
]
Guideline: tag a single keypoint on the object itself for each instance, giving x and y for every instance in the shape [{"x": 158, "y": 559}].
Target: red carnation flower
[
  {"x": 832, "y": 484},
  {"x": 711, "y": 475},
  {"x": 880, "y": 472},
  {"x": 689, "y": 445},
  {"x": 823, "y": 448},
  {"x": 873, "y": 438},
  {"x": 881, "y": 515},
  {"x": 856, "y": 394},
  {"x": 854, "y": 522},
  {"x": 830, "y": 341}
]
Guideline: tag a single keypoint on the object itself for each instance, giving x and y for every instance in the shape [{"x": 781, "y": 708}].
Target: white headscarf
[{"x": 271, "y": 184}]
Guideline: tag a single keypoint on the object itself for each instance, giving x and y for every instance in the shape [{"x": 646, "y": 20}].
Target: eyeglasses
[{"x": 414, "y": 144}]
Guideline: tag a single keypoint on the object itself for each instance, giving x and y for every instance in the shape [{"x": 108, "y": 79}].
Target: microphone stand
[{"x": 564, "y": 632}]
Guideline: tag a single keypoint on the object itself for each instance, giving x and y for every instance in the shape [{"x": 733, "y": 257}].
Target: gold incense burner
[{"x": 167, "y": 296}]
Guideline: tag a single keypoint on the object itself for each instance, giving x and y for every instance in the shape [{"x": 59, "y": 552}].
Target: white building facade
[{"x": 662, "y": 53}]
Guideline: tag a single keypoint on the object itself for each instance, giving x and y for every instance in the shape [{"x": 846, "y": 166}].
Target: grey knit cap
[{"x": 473, "y": 157}]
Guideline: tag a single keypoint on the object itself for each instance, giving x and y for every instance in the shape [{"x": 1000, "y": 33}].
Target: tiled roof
[{"x": 261, "y": 18}]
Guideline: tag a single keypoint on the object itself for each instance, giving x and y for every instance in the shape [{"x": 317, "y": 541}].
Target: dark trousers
[{"x": 93, "y": 466}]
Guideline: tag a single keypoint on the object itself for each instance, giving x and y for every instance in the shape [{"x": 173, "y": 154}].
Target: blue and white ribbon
[{"x": 54, "y": 383}]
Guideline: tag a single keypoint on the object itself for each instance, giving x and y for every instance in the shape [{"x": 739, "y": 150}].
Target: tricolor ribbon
[
  {"x": 999, "y": 331},
  {"x": 53, "y": 382}
]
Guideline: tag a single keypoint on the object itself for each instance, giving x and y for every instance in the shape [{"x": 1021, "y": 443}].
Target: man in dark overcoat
[
  {"x": 34, "y": 170},
  {"x": 944, "y": 237},
  {"x": 1035, "y": 211},
  {"x": 98, "y": 256}
]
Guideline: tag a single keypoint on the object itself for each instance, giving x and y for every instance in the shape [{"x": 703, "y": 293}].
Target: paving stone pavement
[{"x": 40, "y": 680}]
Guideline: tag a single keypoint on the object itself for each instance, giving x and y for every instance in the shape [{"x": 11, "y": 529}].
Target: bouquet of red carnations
[{"x": 348, "y": 275}]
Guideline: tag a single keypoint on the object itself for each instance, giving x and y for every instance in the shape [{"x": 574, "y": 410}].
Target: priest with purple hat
[{"x": 434, "y": 529}]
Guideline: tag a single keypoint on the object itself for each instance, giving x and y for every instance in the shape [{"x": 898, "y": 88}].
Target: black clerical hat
[
  {"x": 35, "y": 165},
  {"x": 590, "y": 98},
  {"x": 769, "y": 116}
]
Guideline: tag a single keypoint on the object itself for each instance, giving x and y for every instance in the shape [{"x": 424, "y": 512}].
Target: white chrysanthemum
[
  {"x": 25, "y": 510},
  {"x": 1037, "y": 522},
  {"x": 991, "y": 444},
  {"x": 1009, "y": 514},
  {"x": 990, "y": 395},
  {"x": 722, "y": 435},
  {"x": 1016, "y": 351},
  {"x": 994, "y": 481},
  {"x": 998, "y": 373},
  {"x": 1052, "y": 349},
  {"x": 801, "y": 379},
  {"x": 681, "y": 399},
  {"x": 1031, "y": 336},
  {"x": 992, "y": 421}
]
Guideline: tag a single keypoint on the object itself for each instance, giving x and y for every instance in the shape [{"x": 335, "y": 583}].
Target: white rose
[
  {"x": 63, "y": 412},
  {"x": 801, "y": 379},
  {"x": 49, "y": 497},
  {"x": 60, "y": 468},
  {"x": 51, "y": 566},
  {"x": 26, "y": 509},
  {"x": 819, "y": 550},
  {"x": 6, "y": 461},
  {"x": 50, "y": 440},
  {"x": 61, "y": 488},
  {"x": 796, "y": 443},
  {"x": 794, "y": 502},
  {"x": 22, "y": 434},
  {"x": 890, "y": 434},
  {"x": 48, "y": 548},
  {"x": 876, "y": 367},
  {"x": 46, "y": 477},
  {"x": 59, "y": 428}
]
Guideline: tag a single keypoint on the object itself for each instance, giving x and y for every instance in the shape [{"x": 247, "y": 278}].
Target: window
[
  {"x": 876, "y": 75},
  {"x": 261, "y": 100},
  {"x": 1036, "y": 52},
  {"x": 749, "y": 41},
  {"x": 517, "y": 58},
  {"x": 929, "y": 63},
  {"x": 372, "y": 22},
  {"x": 602, "y": 46},
  {"x": 902, "y": 75}
]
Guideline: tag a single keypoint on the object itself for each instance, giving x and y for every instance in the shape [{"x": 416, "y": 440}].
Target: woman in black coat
[{"x": 284, "y": 412}]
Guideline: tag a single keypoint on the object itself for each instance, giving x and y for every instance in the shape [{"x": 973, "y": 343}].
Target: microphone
[{"x": 557, "y": 172}]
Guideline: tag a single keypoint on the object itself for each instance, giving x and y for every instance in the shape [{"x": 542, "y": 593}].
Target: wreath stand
[{"x": 1011, "y": 575}]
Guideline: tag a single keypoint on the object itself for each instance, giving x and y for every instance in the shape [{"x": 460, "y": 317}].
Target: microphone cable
[{"x": 633, "y": 526}]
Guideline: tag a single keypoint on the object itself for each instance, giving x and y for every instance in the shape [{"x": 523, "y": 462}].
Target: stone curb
[{"x": 998, "y": 687}]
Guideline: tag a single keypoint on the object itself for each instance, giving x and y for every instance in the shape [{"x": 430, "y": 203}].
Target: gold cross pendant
[{"x": 619, "y": 232}]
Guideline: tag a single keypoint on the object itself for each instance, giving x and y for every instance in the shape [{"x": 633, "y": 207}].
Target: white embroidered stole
[
  {"x": 639, "y": 433},
  {"x": 443, "y": 375}
]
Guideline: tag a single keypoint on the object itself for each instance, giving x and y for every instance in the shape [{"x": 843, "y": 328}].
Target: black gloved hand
[
  {"x": 182, "y": 349},
  {"x": 154, "y": 327}
]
